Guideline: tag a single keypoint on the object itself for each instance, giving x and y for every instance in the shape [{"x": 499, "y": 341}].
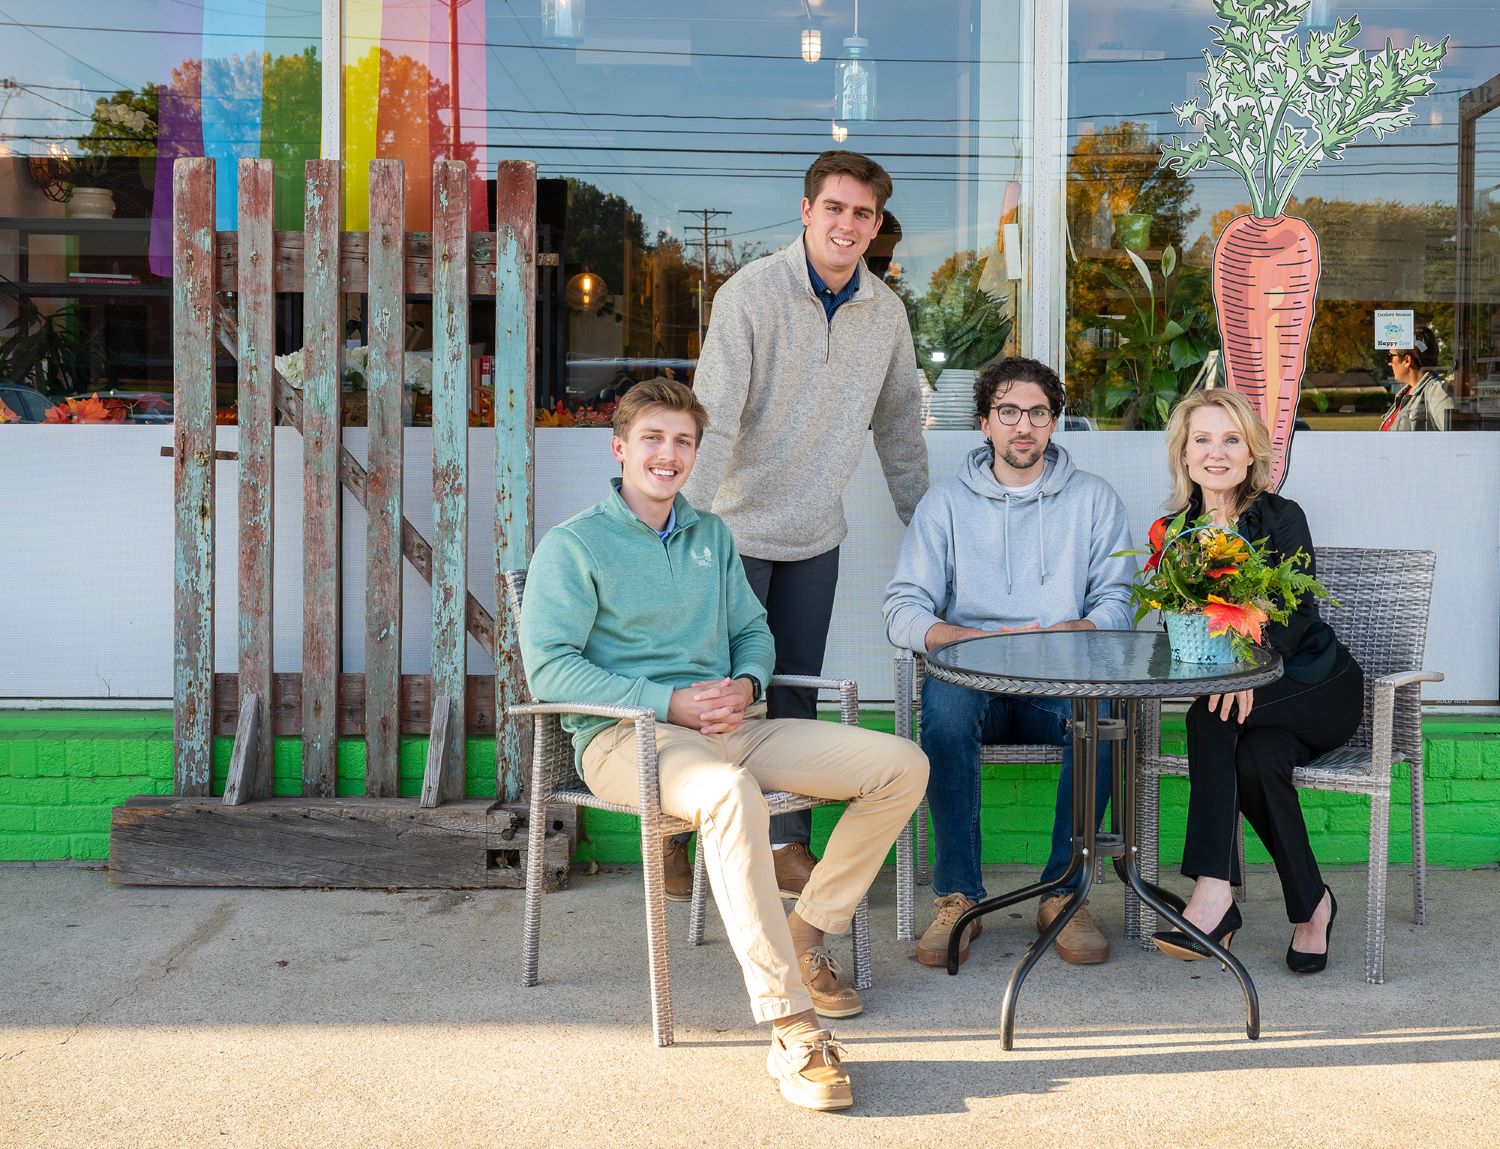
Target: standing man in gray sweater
[{"x": 805, "y": 350}]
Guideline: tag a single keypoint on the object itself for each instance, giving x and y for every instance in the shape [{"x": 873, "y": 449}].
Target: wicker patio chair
[
  {"x": 911, "y": 848},
  {"x": 1383, "y": 600},
  {"x": 554, "y": 780}
]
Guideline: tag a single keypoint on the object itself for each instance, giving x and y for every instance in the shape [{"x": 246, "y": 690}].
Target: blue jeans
[{"x": 956, "y": 721}]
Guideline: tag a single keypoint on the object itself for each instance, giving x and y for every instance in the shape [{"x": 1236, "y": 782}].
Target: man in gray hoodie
[
  {"x": 806, "y": 350},
  {"x": 1020, "y": 540}
]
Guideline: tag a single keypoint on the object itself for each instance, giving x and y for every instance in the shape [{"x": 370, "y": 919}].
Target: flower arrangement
[
  {"x": 1200, "y": 568},
  {"x": 88, "y": 409},
  {"x": 586, "y": 415}
]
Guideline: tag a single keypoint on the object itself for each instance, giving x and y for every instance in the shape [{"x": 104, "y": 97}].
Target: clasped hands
[{"x": 713, "y": 707}]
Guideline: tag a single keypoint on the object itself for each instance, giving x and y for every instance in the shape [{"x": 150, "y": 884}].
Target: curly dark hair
[{"x": 998, "y": 378}]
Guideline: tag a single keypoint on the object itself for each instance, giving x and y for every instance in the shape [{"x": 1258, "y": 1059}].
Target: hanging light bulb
[
  {"x": 562, "y": 21},
  {"x": 812, "y": 41},
  {"x": 840, "y": 133},
  {"x": 854, "y": 78},
  {"x": 585, "y": 291}
]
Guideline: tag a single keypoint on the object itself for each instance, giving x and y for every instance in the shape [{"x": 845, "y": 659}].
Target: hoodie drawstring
[
  {"x": 1041, "y": 524},
  {"x": 1009, "y": 586}
]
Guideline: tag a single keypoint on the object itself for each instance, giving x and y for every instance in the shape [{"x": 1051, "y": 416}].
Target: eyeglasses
[{"x": 1010, "y": 415}]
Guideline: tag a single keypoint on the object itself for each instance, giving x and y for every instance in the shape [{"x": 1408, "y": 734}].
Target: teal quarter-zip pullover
[{"x": 615, "y": 615}]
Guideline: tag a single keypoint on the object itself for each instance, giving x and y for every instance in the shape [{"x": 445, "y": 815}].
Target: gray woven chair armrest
[
  {"x": 848, "y": 692},
  {"x": 1410, "y": 678},
  {"x": 645, "y": 745},
  {"x": 597, "y": 709},
  {"x": 1383, "y": 735}
]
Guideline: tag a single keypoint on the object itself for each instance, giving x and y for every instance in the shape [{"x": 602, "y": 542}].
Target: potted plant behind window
[
  {"x": 121, "y": 141},
  {"x": 961, "y": 327},
  {"x": 53, "y": 352},
  {"x": 1164, "y": 335},
  {"x": 1216, "y": 589}
]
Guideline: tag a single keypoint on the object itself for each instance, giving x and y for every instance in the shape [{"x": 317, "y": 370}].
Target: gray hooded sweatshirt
[{"x": 977, "y": 554}]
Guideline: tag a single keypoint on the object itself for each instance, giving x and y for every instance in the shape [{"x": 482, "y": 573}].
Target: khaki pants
[{"x": 716, "y": 782}]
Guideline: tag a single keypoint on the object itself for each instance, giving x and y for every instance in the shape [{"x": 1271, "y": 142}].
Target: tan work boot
[
  {"x": 809, "y": 1069},
  {"x": 820, "y": 974},
  {"x": 677, "y": 871},
  {"x": 794, "y": 865},
  {"x": 1080, "y": 941},
  {"x": 933, "y": 948}
]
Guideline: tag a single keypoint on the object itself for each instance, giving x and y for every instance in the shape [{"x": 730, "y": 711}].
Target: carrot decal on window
[{"x": 1274, "y": 109}]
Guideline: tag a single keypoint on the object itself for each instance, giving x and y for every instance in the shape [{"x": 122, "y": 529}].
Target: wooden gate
[{"x": 249, "y": 837}]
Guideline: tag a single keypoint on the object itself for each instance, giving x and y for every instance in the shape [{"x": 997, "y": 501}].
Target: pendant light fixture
[
  {"x": 812, "y": 43},
  {"x": 854, "y": 78}
]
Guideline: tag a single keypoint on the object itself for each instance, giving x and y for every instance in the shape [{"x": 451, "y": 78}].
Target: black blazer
[{"x": 1308, "y": 647}]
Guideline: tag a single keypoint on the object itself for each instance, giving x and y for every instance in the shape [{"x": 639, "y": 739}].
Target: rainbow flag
[{"x": 254, "y": 88}]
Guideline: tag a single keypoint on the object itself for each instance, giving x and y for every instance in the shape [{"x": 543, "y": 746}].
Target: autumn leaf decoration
[
  {"x": 89, "y": 410},
  {"x": 1200, "y": 568}
]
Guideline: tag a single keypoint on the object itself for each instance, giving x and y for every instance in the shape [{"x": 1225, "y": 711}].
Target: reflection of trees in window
[
  {"x": 957, "y": 318},
  {"x": 652, "y": 285},
  {"x": 411, "y": 125},
  {"x": 1111, "y": 173},
  {"x": 1374, "y": 254}
]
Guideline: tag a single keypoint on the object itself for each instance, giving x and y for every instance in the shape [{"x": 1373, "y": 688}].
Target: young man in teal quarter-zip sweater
[{"x": 643, "y": 601}]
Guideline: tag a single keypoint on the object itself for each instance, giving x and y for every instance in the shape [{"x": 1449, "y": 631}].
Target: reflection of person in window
[
  {"x": 881, "y": 253},
  {"x": 1425, "y": 400}
]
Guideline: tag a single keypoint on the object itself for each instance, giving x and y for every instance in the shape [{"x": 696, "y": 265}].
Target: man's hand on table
[{"x": 714, "y": 707}]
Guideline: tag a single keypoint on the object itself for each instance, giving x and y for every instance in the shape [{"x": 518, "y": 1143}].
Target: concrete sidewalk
[{"x": 145, "y": 1017}]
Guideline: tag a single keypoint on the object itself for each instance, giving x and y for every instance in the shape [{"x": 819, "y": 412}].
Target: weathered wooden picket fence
[{"x": 250, "y": 837}]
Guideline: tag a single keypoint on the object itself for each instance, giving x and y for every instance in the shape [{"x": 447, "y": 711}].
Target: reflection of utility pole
[
  {"x": 706, "y": 213},
  {"x": 453, "y": 7}
]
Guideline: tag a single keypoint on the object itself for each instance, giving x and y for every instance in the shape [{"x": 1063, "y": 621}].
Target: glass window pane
[
  {"x": 100, "y": 97},
  {"x": 1384, "y": 214}
]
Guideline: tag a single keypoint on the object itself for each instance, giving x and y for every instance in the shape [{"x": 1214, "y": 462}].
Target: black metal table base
[{"x": 1088, "y": 846}]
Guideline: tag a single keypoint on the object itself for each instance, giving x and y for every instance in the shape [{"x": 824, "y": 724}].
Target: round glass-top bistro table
[{"x": 1087, "y": 666}]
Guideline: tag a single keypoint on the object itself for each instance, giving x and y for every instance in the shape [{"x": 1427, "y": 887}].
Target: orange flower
[
  {"x": 559, "y": 417},
  {"x": 1157, "y": 535},
  {"x": 90, "y": 410},
  {"x": 7, "y": 415},
  {"x": 1222, "y": 572},
  {"x": 1226, "y": 616}
]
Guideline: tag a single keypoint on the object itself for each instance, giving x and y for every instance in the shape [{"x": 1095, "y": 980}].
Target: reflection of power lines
[{"x": 707, "y": 233}]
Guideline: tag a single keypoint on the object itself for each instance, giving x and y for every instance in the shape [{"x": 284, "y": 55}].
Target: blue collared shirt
[
  {"x": 833, "y": 300},
  {"x": 671, "y": 523}
]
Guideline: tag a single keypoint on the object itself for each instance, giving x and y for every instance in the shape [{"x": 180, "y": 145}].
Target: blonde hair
[
  {"x": 659, "y": 392},
  {"x": 1257, "y": 438}
]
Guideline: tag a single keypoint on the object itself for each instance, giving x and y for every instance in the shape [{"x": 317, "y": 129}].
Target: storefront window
[
  {"x": 671, "y": 137},
  {"x": 100, "y": 96},
  {"x": 1385, "y": 214}
]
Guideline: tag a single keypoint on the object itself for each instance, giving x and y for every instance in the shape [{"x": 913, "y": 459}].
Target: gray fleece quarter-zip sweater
[
  {"x": 977, "y": 554},
  {"x": 789, "y": 394}
]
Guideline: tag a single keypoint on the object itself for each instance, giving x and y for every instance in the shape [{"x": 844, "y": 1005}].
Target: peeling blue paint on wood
[
  {"x": 515, "y": 391},
  {"x": 386, "y": 380},
  {"x": 193, "y": 266},
  {"x": 256, "y": 347},
  {"x": 323, "y": 358},
  {"x": 450, "y": 455}
]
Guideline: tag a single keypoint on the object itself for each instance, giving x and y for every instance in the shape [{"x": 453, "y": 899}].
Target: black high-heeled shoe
[
  {"x": 1299, "y": 962},
  {"x": 1184, "y": 947}
]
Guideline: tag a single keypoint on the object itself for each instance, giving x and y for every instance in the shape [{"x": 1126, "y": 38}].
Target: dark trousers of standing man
[
  {"x": 1247, "y": 767},
  {"x": 798, "y": 597}
]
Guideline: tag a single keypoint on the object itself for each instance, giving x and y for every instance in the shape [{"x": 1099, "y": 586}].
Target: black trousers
[
  {"x": 798, "y": 597},
  {"x": 1246, "y": 768}
]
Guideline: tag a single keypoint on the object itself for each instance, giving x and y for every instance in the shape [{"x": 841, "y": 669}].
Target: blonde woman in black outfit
[{"x": 1242, "y": 747}]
